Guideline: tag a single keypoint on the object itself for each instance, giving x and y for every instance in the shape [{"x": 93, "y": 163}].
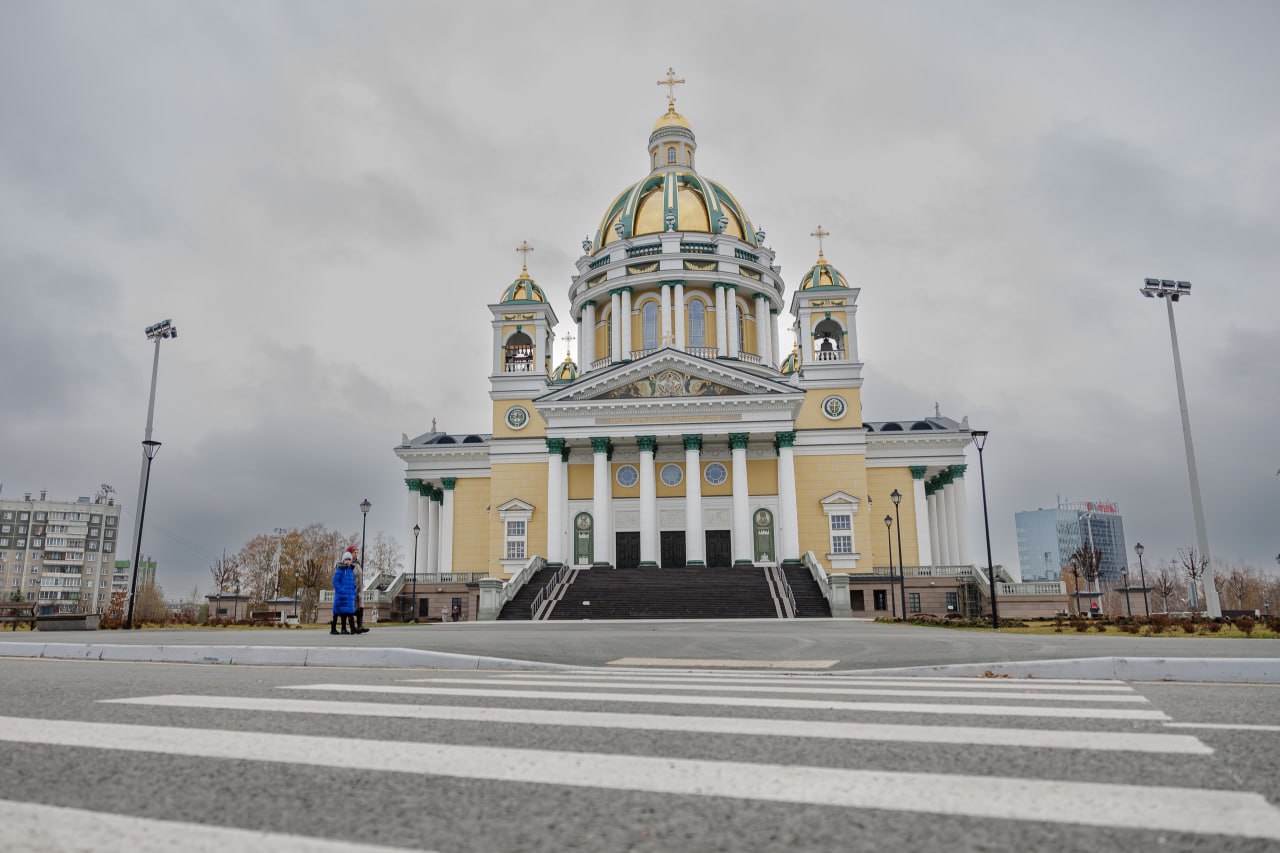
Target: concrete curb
[
  {"x": 1253, "y": 670},
  {"x": 267, "y": 656}
]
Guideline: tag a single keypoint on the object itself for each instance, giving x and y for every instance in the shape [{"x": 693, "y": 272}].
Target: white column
[
  {"x": 953, "y": 536},
  {"x": 648, "y": 501},
  {"x": 555, "y": 510},
  {"x": 446, "y": 526},
  {"x": 962, "y": 515},
  {"x": 424, "y": 534},
  {"x": 762, "y": 328},
  {"x": 722, "y": 327},
  {"x": 601, "y": 499},
  {"x": 680, "y": 315},
  {"x": 741, "y": 538},
  {"x": 935, "y": 540},
  {"x": 626, "y": 322},
  {"x": 695, "y": 541},
  {"x": 433, "y": 530},
  {"x": 615, "y": 315},
  {"x": 666, "y": 336},
  {"x": 731, "y": 318},
  {"x": 922, "y": 515},
  {"x": 775, "y": 356},
  {"x": 788, "y": 516},
  {"x": 944, "y": 543},
  {"x": 587, "y": 336},
  {"x": 412, "y": 507},
  {"x": 566, "y": 520}
]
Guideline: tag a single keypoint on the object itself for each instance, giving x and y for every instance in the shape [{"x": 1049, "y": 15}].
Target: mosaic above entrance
[{"x": 670, "y": 383}]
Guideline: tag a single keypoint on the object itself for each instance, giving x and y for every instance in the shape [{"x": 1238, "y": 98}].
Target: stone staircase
[
  {"x": 810, "y": 603},
  {"x": 686, "y": 593},
  {"x": 518, "y": 606}
]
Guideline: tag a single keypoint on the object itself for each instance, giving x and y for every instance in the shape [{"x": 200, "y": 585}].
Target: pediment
[{"x": 668, "y": 374}]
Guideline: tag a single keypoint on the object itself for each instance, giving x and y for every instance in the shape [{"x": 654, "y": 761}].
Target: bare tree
[
  {"x": 384, "y": 556},
  {"x": 1086, "y": 562},
  {"x": 1193, "y": 566},
  {"x": 226, "y": 574},
  {"x": 258, "y": 562},
  {"x": 1166, "y": 584},
  {"x": 1237, "y": 580},
  {"x": 321, "y": 550},
  {"x": 293, "y": 554}
]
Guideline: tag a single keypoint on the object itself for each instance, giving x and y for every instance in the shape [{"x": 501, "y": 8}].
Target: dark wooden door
[
  {"x": 673, "y": 549},
  {"x": 719, "y": 549},
  {"x": 628, "y": 549}
]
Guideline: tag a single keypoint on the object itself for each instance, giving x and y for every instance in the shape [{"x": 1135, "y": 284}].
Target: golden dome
[
  {"x": 822, "y": 274},
  {"x": 671, "y": 118},
  {"x": 523, "y": 289},
  {"x": 676, "y": 200},
  {"x": 566, "y": 372},
  {"x": 791, "y": 363}
]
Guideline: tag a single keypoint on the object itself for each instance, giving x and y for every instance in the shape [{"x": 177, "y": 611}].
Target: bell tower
[{"x": 523, "y": 333}]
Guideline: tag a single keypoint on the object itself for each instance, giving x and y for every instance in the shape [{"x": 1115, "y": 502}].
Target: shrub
[
  {"x": 1213, "y": 627},
  {"x": 1246, "y": 625},
  {"x": 1132, "y": 628},
  {"x": 1188, "y": 626}
]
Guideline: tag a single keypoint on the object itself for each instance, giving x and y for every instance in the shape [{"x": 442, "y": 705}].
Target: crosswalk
[{"x": 1095, "y": 756}]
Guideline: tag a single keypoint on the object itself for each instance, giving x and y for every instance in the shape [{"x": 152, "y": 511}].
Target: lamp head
[
  {"x": 979, "y": 437},
  {"x": 365, "y": 506},
  {"x": 888, "y": 521},
  {"x": 416, "y": 531},
  {"x": 1138, "y": 549},
  {"x": 896, "y": 496},
  {"x": 150, "y": 448}
]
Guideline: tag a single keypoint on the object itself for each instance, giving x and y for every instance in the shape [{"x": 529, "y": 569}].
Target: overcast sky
[{"x": 324, "y": 197}]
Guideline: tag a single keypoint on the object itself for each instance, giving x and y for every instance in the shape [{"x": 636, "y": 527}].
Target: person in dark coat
[{"x": 344, "y": 597}]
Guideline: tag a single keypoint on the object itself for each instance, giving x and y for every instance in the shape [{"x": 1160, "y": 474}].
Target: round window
[
  {"x": 834, "y": 407},
  {"x": 716, "y": 474},
  {"x": 628, "y": 476},
  {"x": 672, "y": 474},
  {"x": 517, "y": 417}
]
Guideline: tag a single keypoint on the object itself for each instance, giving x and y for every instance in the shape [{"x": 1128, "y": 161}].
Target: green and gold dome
[
  {"x": 823, "y": 275},
  {"x": 566, "y": 372},
  {"x": 791, "y": 363},
  {"x": 523, "y": 289}
]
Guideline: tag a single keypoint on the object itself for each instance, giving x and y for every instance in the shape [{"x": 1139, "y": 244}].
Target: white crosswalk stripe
[
  {"x": 427, "y": 727},
  {"x": 750, "y": 702}
]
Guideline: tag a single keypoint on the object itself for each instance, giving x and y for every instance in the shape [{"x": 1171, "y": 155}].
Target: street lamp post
[
  {"x": 980, "y": 441},
  {"x": 156, "y": 332},
  {"x": 1171, "y": 292},
  {"x": 365, "y": 506},
  {"x": 896, "y": 496},
  {"x": 416, "y": 531},
  {"x": 1142, "y": 572},
  {"x": 888, "y": 538},
  {"x": 149, "y": 450},
  {"x": 1128, "y": 608}
]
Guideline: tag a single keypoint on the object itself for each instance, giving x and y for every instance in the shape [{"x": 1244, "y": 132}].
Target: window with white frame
[
  {"x": 649, "y": 326},
  {"x": 517, "y": 539},
  {"x": 697, "y": 323},
  {"x": 841, "y": 533}
]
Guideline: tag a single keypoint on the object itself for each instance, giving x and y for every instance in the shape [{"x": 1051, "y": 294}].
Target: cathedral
[{"x": 683, "y": 434}]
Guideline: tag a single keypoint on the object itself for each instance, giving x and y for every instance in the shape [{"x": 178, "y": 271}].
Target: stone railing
[
  {"x": 829, "y": 355},
  {"x": 1054, "y": 588},
  {"x": 602, "y": 362},
  {"x": 703, "y": 352},
  {"x": 494, "y": 593},
  {"x": 641, "y": 251},
  {"x": 750, "y": 358}
]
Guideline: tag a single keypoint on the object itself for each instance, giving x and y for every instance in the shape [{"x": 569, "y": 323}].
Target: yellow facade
[
  {"x": 818, "y": 477},
  {"x": 762, "y": 476},
  {"x": 811, "y": 416},
  {"x": 535, "y": 428},
  {"x": 581, "y": 482},
  {"x": 470, "y": 523},
  {"x": 526, "y": 481},
  {"x": 880, "y": 484}
]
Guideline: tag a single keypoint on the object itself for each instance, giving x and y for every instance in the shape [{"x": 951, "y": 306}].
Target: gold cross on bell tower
[
  {"x": 820, "y": 234},
  {"x": 568, "y": 344},
  {"x": 671, "y": 82},
  {"x": 524, "y": 249}
]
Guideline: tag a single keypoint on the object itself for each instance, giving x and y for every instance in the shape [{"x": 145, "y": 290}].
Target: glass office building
[{"x": 1048, "y": 537}]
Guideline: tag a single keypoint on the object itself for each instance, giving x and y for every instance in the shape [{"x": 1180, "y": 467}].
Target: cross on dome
[
  {"x": 819, "y": 234},
  {"x": 524, "y": 249},
  {"x": 671, "y": 81},
  {"x": 568, "y": 345}
]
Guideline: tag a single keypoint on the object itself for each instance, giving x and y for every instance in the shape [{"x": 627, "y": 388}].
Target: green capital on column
[
  {"x": 692, "y": 442},
  {"x": 929, "y": 488},
  {"x": 738, "y": 440},
  {"x": 448, "y": 483},
  {"x": 555, "y": 445},
  {"x": 945, "y": 477},
  {"x": 784, "y": 439},
  {"x": 600, "y": 445},
  {"x": 564, "y": 454},
  {"x": 415, "y": 485},
  {"x": 435, "y": 494},
  {"x": 917, "y": 472},
  {"x": 647, "y": 443},
  {"x": 957, "y": 471}
]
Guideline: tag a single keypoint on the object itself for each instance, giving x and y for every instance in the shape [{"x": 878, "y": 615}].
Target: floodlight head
[{"x": 163, "y": 329}]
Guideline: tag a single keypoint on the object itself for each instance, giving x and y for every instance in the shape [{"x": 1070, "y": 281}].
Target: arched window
[
  {"x": 828, "y": 341},
  {"x": 519, "y": 353},
  {"x": 671, "y": 154},
  {"x": 697, "y": 323},
  {"x": 742, "y": 337},
  {"x": 649, "y": 325}
]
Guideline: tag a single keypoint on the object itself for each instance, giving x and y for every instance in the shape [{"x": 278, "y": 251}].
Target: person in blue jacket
[{"x": 344, "y": 597}]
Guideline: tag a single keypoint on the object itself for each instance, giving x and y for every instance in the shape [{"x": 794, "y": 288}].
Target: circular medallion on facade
[
  {"x": 834, "y": 407},
  {"x": 517, "y": 417},
  {"x": 584, "y": 521},
  {"x": 672, "y": 474},
  {"x": 627, "y": 476},
  {"x": 716, "y": 474},
  {"x": 762, "y": 518}
]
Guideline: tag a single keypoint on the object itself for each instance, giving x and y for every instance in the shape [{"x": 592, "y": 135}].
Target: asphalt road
[
  {"x": 200, "y": 757},
  {"x": 849, "y": 644}
]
